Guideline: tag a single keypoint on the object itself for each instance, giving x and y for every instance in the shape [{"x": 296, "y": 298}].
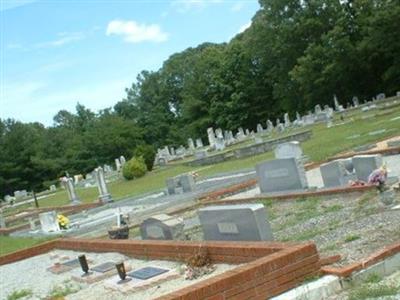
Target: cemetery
[{"x": 288, "y": 211}]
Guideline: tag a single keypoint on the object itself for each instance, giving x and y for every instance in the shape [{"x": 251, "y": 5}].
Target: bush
[
  {"x": 134, "y": 168},
  {"x": 148, "y": 153}
]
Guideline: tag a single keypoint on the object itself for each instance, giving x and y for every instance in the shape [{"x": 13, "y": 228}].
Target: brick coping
[{"x": 267, "y": 268}]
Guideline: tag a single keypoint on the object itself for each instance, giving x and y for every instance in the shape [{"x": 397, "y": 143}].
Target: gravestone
[
  {"x": 122, "y": 160},
  {"x": 218, "y": 133},
  {"x": 365, "y": 164},
  {"x": 183, "y": 182},
  {"x": 260, "y": 129},
  {"x": 286, "y": 120},
  {"x": 53, "y": 188},
  {"x": 219, "y": 144},
  {"x": 200, "y": 154},
  {"x": 104, "y": 195},
  {"x": 336, "y": 103},
  {"x": 336, "y": 174},
  {"x": 147, "y": 273},
  {"x": 2, "y": 219},
  {"x": 117, "y": 164},
  {"x": 278, "y": 175},
  {"x": 211, "y": 137},
  {"x": 280, "y": 128},
  {"x": 20, "y": 194},
  {"x": 48, "y": 221},
  {"x": 355, "y": 101},
  {"x": 199, "y": 143},
  {"x": 191, "y": 144},
  {"x": 270, "y": 126},
  {"x": 244, "y": 222},
  {"x": 173, "y": 152},
  {"x": 288, "y": 150},
  {"x": 69, "y": 186},
  {"x": 240, "y": 134},
  {"x": 162, "y": 227},
  {"x": 317, "y": 109},
  {"x": 380, "y": 96}
]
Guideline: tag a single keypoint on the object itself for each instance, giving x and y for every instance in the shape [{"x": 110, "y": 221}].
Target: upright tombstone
[
  {"x": 162, "y": 227},
  {"x": 270, "y": 126},
  {"x": 48, "y": 221},
  {"x": 53, "y": 188},
  {"x": 117, "y": 164},
  {"x": 240, "y": 134},
  {"x": 365, "y": 164},
  {"x": 219, "y": 133},
  {"x": 191, "y": 144},
  {"x": 122, "y": 160},
  {"x": 280, "y": 128},
  {"x": 317, "y": 109},
  {"x": 355, "y": 101},
  {"x": 199, "y": 143},
  {"x": 211, "y": 137},
  {"x": 380, "y": 96},
  {"x": 244, "y": 222},
  {"x": 298, "y": 117},
  {"x": 173, "y": 152},
  {"x": 336, "y": 173},
  {"x": 289, "y": 150},
  {"x": 69, "y": 186},
  {"x": 182, "y": 183},
  {"x": 104, "y": 195},
  {"x": 279, "y": 175},
  {"x": 219, "y": 144},
  {"x": 336, "y": 103},
  {"x": 287, "y": 120},
  {"x": 260, "y": 129}
]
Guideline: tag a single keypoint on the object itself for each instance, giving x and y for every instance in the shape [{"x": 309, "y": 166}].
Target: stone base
[{"x": 106, "y": 198}]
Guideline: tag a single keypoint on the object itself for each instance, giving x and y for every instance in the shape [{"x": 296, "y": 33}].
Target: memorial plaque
[
  {"x": 72, "y": 263},
  {"x": 228, "y": 228},
  {"x": 147, "y": 273},
  {"x": 105, "y": 267}
]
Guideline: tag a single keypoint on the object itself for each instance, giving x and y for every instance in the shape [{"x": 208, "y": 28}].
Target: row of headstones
[{"x": 104, "y": 195}]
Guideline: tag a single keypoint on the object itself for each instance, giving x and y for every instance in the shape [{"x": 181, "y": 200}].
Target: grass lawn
[
  {"x": 11, "y": 244},
  {"x": 324, "y": 143}
]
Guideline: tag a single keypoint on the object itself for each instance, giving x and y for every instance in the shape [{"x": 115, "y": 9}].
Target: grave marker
[
  {"x": 365, "y": 164},
  {"x": 162, "y": 227}
]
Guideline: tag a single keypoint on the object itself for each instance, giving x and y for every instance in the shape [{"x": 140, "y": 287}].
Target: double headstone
[
  {"x": 245, "y": 222},
  {"x": 337, "y": 173},
  {"x": 279, "y": 175},
  {"x": 162, "y": 227}
]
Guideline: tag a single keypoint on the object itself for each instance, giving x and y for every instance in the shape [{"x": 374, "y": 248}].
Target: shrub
[
  {"x": 148, "y": 153},
  {"x": 134, "y": 168}
]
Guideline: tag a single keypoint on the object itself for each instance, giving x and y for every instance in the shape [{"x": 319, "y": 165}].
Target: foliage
[
  {"x": 148, "y": 153},
  {"x": 134, "y": 168},
  {"x": 60, "y": 291},
  {"x": 19, "y": 294}
]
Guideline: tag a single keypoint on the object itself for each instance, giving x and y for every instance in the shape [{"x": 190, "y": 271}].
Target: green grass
[
  {"x": 373, "y": 291},
  {"x": 19, "y": 294},
  {"x": 351, "y": 238},
  {"x": 60, "y": 291},
  {"x": 333, "y": 208},
  {"x": 11, "y": 244}
]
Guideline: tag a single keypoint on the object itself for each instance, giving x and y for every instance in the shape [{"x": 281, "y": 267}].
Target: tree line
[{"x": 295, "y": 54}]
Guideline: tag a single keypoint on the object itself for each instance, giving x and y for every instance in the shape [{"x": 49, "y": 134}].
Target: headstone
[
  {"x": 298, "y": 117},
  {"x": 211, "y": 137},
  {"x": 48, "y": 221},
  {"x": 172, "y": 151},
  {"x": 240, "y": 135},
  {"x": 380, "y": 96},
  {"x": 104, "y": 195},
  {"x": 278, "y": 175},
  {"x": 199, "y": 143},
  {"x": 270, "y": 126},
  {"x": 244, "y": 222},
  {"x": 258, "y": 140},
  {"x": 365, "y": 164},
  {"x": 162, "y": 227},
  {"x": 260, "y": 129},
  {"x": 398, "y": 94},
  {"x": 336, "y": 174},
  {"x": 355, "y": 101},
  {"x": 184, "y": 182},
  {"x": 117, "y": 164},
  {"x": 247, "y": 132},
  {"x": 286, "y": 120},
  {"x": 219, "y": 144},
  {"x": 200, "y": 154},
  {"x": 122, "y": 160},
  {"x": 317, "y": 109},
  {"x": 218, "y": 133},
  {"x": 280, "y": 128},
  {"x": 53, "y": 188},
  {"x": 288, "y": 150},
  {"x": 191, "y": 144},
  {"x": 2, "y": 219},
  {"x": 20, "y": 194},
  {"x": 69, "y": 186},
  {"x": 336, "y": 103}
]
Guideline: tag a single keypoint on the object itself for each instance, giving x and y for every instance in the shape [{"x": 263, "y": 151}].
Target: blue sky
[{"x": 56, "y": 53}]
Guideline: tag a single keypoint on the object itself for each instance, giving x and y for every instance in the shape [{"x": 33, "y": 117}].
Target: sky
[{"x": 55, "y": 54}]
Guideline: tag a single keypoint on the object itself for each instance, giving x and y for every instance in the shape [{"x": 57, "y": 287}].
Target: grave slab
[{"x": 365, "y": 164}]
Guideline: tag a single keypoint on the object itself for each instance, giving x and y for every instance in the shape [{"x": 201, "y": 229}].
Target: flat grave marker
[{"x": 147, "y": 273}]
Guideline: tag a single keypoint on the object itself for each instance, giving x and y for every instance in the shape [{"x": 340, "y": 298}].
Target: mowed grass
[
  {"x": 10, "y": 244},
  {"x": 324, "y": 143}
]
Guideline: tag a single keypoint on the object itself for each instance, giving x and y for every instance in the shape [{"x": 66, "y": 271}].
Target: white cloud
[
  {"x": 237, "y": 6},
  {"x": 183, "y": 6},
  {"x": 63, "y": 39},
  {"x": 133, "y": 32},
  {"x": 244, "y": 27}
]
